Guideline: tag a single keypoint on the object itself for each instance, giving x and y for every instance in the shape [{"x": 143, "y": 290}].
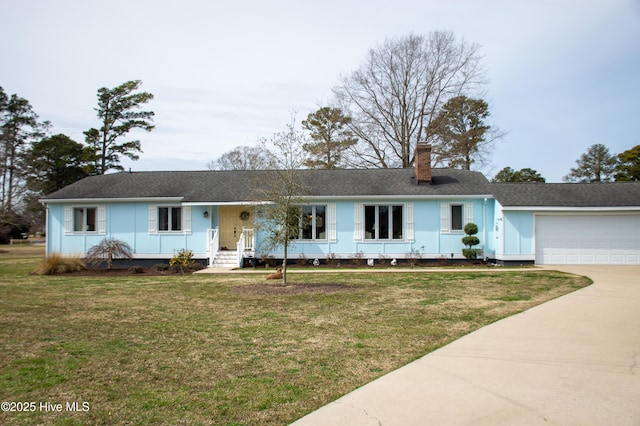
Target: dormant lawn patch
[{"x": 229, "y": 349}]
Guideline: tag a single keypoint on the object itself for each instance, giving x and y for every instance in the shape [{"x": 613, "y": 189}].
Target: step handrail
[{"x": 214, "y": 242}]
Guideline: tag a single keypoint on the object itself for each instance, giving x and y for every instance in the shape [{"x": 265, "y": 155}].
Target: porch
[{"x": 230, "y": 257}]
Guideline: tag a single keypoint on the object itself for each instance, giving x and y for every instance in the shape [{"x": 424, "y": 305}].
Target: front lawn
[{"x": 229, "y": 349}]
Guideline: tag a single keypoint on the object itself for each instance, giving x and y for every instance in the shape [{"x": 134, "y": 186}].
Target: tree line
[
  {"x": 598, "y": 164},
  {"x": 34, "y": 163}
]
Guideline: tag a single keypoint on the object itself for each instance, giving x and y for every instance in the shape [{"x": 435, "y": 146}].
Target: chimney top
[{"x": 423, "y": 163}]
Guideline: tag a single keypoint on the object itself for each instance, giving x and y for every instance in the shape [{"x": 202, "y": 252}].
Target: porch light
[{"x": 206, "y": 213}]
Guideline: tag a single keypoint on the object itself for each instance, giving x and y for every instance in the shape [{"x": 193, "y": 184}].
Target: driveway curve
[{"x": 572, "y": 361}]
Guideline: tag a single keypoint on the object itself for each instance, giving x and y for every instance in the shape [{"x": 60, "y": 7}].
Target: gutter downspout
[
  {"x": 484, "y": 226},
  {"x": 46, "y": 230}
]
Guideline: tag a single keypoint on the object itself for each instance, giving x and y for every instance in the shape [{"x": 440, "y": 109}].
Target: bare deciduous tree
[
  {"x": 398, "y": 91},
  {"x": 282, "y": 192},
  {"x": 244, "y": 158},
  {"x": 107, "y": 250}
]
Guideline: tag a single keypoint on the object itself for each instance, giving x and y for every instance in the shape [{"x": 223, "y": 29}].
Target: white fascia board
[
  {"x": 341, "y": 198},
  {"x": 110, "y": 200},
  {"x": 396, "y": 197},
  {"x": 539, "y": 209},
  {"x": 225, "y": 203}
]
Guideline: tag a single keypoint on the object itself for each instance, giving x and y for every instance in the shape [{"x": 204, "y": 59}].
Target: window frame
[
  {"x": 85, "y": 216},
  {"x": 446, "y": 219},
  {"x": 461, "y": 218},
  {"x": 170, "y": 220},
  {"x": 390, "y": 229},
  {"x": 313, "y": 221}
]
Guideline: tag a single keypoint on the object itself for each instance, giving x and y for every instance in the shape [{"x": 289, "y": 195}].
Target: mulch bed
[{"x": 121, "y": 272}]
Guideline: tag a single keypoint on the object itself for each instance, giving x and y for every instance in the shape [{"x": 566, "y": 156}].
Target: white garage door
[{"x": 590, "y": 239}]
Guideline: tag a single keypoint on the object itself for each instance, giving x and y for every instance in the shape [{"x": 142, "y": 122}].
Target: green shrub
[
  {"x": 182, "y": 261},
  {"x": 55, "y": 263},
  {"x": 470, "y": 240},
  {"x": 161, "y": 267}
]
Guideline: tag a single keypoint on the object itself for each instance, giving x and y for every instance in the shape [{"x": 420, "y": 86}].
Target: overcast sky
[{"x": 564, "y": 74}]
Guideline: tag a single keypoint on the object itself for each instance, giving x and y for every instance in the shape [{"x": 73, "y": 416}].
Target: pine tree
[{"x": 329, "y": 129}]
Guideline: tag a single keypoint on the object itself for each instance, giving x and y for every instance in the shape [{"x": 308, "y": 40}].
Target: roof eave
[
  {"x": 109, "y": 200},
  {"x": 571, "y": 208}
]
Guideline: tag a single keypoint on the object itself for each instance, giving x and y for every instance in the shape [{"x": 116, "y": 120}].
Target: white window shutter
[
  {"x": 153, "y": 219},
  {"x": 68, "y": 220},
  {"x": 444, "y": 217},
  {"x": 409, "y": 235},
  {"x": 186, "y": 218},
  {"x": 331, "y": 219},
  {"x": 468, "y": 213},
  {"x": 357, "y": 222},
  {"x": 102, "y": 219}
]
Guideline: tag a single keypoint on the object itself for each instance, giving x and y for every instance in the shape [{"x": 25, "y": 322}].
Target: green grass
[{"x": 230, "y": 349}]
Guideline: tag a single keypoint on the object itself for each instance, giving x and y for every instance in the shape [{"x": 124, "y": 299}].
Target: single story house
[{"x": 367, "y": 213}]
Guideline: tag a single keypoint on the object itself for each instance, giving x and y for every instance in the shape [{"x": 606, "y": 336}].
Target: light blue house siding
[
  {"x": 128, "y": 222},
  {"x": 518, "y": 243},
  {"x": 426, "y": 230}
]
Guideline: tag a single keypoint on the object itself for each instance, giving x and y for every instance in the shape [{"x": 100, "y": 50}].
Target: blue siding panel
[{"x": 518, "y": 233}]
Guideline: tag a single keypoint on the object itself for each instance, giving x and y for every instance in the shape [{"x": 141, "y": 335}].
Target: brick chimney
[{"x": 423, "y": 163}]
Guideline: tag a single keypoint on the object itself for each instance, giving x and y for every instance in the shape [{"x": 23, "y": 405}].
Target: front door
[{"x": 232, "y": 219}]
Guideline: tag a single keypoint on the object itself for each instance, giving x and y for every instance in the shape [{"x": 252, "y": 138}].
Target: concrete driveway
[{"x": 572, "y": 361}]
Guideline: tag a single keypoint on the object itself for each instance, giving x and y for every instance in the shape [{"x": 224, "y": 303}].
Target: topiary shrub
[{"x": 470, "y": 240}]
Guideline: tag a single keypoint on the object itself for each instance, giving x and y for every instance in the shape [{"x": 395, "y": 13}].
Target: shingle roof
[
  {"x": 604, "y": 194},
  {"x": 236, "y": 186}
]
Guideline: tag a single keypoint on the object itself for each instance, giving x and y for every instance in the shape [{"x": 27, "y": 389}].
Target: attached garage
[{"x": 598, "y": 238}]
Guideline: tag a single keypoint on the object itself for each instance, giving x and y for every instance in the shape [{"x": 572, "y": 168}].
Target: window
[
  {"x": 453, "y": 216},
  {"x": 383, "y": 222},
  {"x": 84, "y": 219},
  {"x": 169, "y": 219},
  {"x": 313, "y": 223},
  {"x": 456, "y": 217}
]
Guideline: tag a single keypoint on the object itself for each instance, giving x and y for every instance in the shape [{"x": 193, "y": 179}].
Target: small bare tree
[
  {"x": 282, "y": 194},
  {"x": 399, "y": 89},
  {"x": 108, "y": 249}
]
